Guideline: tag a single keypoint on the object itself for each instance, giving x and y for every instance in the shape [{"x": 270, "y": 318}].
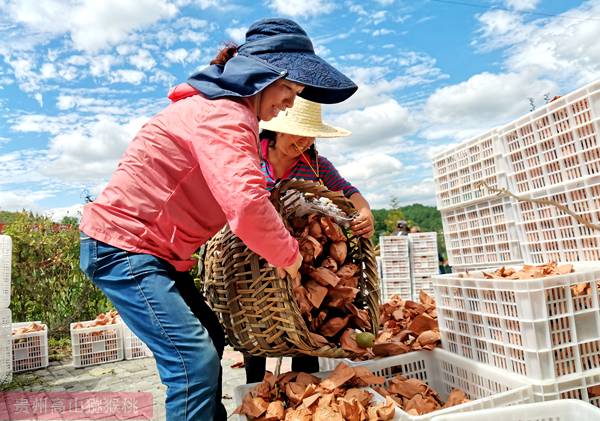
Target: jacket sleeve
[{"x": 226, "y": 146}]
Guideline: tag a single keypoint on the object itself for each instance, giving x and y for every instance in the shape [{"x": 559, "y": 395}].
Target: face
[
  {"x": 292, "y": 145},
  {"x": 277, "y": 97}
]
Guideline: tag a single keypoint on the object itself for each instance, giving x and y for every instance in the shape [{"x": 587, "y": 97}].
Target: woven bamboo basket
[{"x": 257, "y": 308}]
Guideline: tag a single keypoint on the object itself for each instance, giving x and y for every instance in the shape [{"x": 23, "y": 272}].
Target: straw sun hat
[{"x": 303, "y": 119}]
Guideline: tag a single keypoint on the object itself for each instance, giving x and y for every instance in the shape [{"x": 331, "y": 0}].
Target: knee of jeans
[{"x": 206, "y": 367}]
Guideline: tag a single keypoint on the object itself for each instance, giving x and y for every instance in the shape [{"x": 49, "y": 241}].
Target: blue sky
[{"x": 78, "y": 78}]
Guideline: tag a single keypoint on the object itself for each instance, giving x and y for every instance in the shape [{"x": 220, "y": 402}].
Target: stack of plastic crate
[
  {"x": 424, "y": 262},
  {"x": 480, "y": 228},
  {"x": 395, "y": 267},
  {"x": 553, "y": 153},
  {"x": 5, "y": 314},
  {"x": 544, "y": 330}
]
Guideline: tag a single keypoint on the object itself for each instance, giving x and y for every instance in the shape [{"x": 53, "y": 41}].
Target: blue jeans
[{"x": 165, "y": 310}]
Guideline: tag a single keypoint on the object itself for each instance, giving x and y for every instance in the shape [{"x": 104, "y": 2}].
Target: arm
[
  {"x": 225, "y": 145},
  {"x": 364, "y": 224}
]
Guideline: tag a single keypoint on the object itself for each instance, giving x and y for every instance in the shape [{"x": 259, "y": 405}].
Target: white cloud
[
  {"x": 101, "y": 65},
  {"x": 563, "y": 48},
  {"x": 57, "y": 214},
  {"x": 177, "y": 56},
  {"x": 91, "y": 105},
  {"x": 91, "y": 153},
  {"x": 32, "y": 123},
  {"x": 375, "y": 84},
  {"x": 16, "y": 200},
  {"x": 135, "y": 77},
  {"x": 382, "y": 31},
  {"x": 369, "y": 169},
  {"x": 385, "y": 2},
  {"x": 500, "y": 29},
  {"x": 481, "y": 103},
  {"x": 305, "y": 8},
  {"x": 93, "y": 25},
  {"x": 20, "y": 167},
  {"x": 238, "y": 35},
  {"x": 377, "y": 17},
  {"x": 143, "y": 60},
  {"x": 524, "y": 5},
  {"x": 375, "y": 125}
]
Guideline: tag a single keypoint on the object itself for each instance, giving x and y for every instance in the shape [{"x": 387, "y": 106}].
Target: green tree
[
  {"x": 7, "y": 217},
  {"x": 70, "y": 220},
  {"x": 427, "y": 218},
  {"x": 394, "y": 215},
  {"x": 47, "y": 284}
]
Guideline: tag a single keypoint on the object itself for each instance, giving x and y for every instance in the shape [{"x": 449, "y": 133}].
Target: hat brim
[
  {"x": 321, "y": 130},
  {"x": 322, "y": 82}
]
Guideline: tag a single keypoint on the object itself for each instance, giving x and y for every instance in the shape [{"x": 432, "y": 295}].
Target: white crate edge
[
  {"x": 519, "y": 388},
  {"x": 561, "y": 410},
  {"x": 6, "y": 369},
  {"x": 5, "y": 270}
]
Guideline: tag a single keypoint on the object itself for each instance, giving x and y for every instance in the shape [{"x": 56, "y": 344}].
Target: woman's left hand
[{"x": 363, "y": 224}]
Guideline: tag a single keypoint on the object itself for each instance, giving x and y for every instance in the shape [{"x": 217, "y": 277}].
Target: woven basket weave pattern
[{"x": 257, "y": 308}]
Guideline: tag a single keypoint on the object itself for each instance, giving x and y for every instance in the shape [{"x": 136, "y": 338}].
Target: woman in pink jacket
[{"x": 192, "y": 168}]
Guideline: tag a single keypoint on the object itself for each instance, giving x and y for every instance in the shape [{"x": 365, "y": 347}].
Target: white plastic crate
[
  {"x": 582, "y": 387},
  {"x": 396, "y": 286},
  {"x": 30, "y": 350},
  {"x": 134, "y": 347},
  {"x": 562, "y": 410},
  {"x": 5, "y": 269},
  {"x": 395, "y": 267},
  {"x": 536, "y": 327},
  {"x": 482, "y": 234},
  {"x": 96, "y": 345},
  {"x": 240, "y": 391},
  {"x": 463, "y": 269},
  {"x": 425, "y": 265},
  {"x": 550, "y": 234},
  {"x": 557, "y": 143},
  {"x": 423, "y": 244},
  {"x": 393, "y": 246},
  {"x": 5, "y": 346},
  {"x": 421, "y": 283},
  {"x": 328, "y": 364},
  {"x": 486, "y": 386},
  {"x": 458, "y": 170}
]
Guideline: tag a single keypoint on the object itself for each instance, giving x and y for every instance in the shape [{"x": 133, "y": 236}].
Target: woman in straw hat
[
  {"x": 288, "y": 151},
  {"x": 190, "y": 170}
]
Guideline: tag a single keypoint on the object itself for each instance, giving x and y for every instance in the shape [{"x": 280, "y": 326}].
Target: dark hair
[
  {"x": 225, "y": 54},
  {"x": 271, "y": 136}
]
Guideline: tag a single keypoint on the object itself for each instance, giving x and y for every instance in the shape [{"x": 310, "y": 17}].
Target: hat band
[{"x": 277, "y": 43}]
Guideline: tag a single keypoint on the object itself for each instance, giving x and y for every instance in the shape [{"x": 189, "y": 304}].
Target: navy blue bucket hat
[{"x": 275, "y": 49}]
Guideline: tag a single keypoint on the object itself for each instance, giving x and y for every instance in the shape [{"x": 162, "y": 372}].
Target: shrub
[{"x": 47, "y": 284}]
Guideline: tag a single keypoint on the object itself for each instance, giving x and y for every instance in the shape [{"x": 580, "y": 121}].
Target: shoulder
[
  {"x": 325, "y": 163},
  {"x": 229, "y": 111}
]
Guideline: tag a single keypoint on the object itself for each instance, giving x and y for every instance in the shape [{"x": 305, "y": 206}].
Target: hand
[
  {"x": 291, "y": 270},
  {"x": 364, "y": 224}
]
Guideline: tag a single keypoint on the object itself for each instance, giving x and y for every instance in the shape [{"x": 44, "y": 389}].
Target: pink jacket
[{"x": 190, "y": 170}]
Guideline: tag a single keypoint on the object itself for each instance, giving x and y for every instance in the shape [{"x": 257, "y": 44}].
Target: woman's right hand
[{"x": 293, "y": 269}]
